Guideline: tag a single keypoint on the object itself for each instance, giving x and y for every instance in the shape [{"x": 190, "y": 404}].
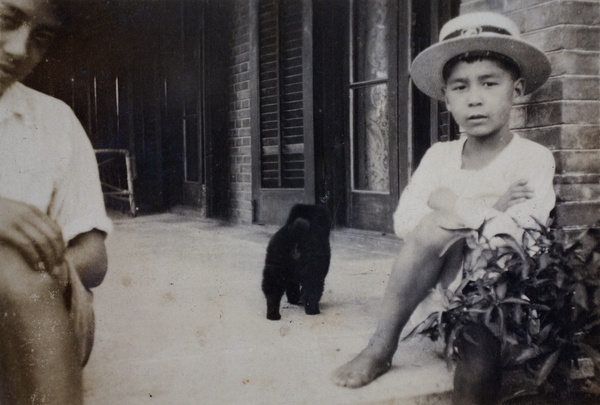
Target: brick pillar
[
  {"x": 564, "y": 114},
  {"x": 240, "y": 192}
]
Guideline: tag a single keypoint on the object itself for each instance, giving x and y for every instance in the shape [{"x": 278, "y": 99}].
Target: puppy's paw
[
  {"x": 273, "y": 316},
  {"x": 312, "y": 310}
]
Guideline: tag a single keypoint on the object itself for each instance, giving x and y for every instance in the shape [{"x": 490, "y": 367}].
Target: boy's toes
[
  {"x": 344, "y": 379},
  {"x": 362, "y": 370},
  {"x": 351, "y": 379}
]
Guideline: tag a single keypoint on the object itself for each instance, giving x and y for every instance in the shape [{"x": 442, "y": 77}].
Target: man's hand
[
  {"x": 33, "y": 233},
  {"x": 517, "y": 193},
  {"x": 442, "y": 199}
]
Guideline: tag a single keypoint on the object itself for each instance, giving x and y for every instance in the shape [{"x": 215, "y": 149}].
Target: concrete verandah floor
[{"x": 180, "y": 319}]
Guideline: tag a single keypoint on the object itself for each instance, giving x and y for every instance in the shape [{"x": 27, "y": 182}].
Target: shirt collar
[{"x": 14, "y": 103}]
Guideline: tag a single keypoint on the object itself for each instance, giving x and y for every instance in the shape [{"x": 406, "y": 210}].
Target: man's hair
[
  {"x": 63, "y": 11},
  {"x": 505, "y": 62}
]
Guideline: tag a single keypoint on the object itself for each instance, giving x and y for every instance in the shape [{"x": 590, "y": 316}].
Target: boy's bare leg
[
  {"x": 38, "y": 356},
  {"x": 416, "y": 270}
]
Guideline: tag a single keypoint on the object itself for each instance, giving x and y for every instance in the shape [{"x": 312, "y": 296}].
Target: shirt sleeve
[
  {"x": 78, "y": 204},
  {"x": 540, "y": 176},
  {"x": 413, "y": 206}
]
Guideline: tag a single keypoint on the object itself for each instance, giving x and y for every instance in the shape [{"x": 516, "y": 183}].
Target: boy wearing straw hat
[{"x": 479, "y": 68}]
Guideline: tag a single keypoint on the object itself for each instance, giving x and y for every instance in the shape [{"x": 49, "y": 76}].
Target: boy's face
[
  {"x": 27, "y": 28},
  {"x": 480, "y": 96}
]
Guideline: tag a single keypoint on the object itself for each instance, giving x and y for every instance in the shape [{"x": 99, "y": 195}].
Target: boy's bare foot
[{"x": 364, "y": 368}]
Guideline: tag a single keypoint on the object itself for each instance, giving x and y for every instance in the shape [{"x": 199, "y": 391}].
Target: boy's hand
[
  {"x": 33, "y": 233},
  {"x": 442, "y": 199},
  {"x": 517, "y": 193}
]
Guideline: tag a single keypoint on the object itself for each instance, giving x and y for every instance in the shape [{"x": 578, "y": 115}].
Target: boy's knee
[
  {"x": 21, "y": 285},
  {"x": 430, "y": 230}
]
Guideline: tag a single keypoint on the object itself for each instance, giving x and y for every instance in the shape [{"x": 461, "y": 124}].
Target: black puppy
[{"x": 298, "y": 259}]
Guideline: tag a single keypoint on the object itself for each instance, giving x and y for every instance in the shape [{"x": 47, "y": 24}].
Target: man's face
[
  {"x": 27, "y": 27},
  {"x": 480, "y": 96}
]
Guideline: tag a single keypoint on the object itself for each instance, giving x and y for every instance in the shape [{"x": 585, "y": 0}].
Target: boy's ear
[
  {"x": 519, "y": 87},
  {"x": 446, "y": 98}
]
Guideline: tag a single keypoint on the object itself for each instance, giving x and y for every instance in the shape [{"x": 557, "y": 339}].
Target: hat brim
[{"x": 427, "y": 68}]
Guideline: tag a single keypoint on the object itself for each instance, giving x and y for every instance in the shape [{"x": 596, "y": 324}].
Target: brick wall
[
  {"x": 564, "y": 114},
  {"x": 240, "y": 173}
]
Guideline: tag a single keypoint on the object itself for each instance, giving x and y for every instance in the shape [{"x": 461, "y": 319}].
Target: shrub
[{"x": 538, "y": 295}]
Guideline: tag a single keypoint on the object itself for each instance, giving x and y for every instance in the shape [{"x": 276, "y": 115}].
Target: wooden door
[{"x": 283, "y": 141}]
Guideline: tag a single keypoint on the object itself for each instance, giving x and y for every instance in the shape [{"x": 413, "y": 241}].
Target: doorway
[{"x": 372, "y": 125}]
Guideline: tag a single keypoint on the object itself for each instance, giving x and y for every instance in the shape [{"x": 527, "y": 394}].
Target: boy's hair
[{"x": 505, "y": 62}]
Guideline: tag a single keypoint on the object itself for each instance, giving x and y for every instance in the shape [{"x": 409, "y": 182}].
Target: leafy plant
[{"x": 539, "y": 296}]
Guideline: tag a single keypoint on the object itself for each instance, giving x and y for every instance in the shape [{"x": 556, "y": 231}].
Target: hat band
[{"x": 467, "y": 32}]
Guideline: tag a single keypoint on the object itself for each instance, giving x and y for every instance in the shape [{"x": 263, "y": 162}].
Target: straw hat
[{"x": 478, "y": 32}]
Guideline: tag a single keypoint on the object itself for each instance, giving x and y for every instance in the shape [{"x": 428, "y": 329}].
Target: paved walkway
[{"x": 181, "y": 320}]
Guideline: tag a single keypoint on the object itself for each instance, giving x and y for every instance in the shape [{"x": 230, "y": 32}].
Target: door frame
[{"x": 378, "y": 208}]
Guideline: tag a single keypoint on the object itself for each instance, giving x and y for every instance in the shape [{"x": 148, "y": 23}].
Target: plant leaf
[
  {"x": 594, "y": 264},
  {"x": 533, "y": 328},
  {"x": 580, "y": 296},
  {"x": 593, "y": 353},
  {"x": 501, "y": 290},
  {"x": 428, "y": 323},
  {"x": 518, "y": 314},
  {"x": 545, "y": 332},
  {"x": 514, "y": 244},
  {"x": 513, "y": 300},
  {"x": 544, "y": 261},
  {"x": 528, "y": 354},
  {"x": 591, "y": 325},
  {"x": 546, "y": 368},
  {"x": 541, "y": 307}
]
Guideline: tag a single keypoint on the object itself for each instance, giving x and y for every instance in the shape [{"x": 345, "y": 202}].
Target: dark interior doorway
[{"x": 135, "y": 73}]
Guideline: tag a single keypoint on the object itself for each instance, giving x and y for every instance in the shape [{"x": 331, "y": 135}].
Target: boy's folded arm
[
  {"x": 527, "y": 213},
  {"x": 537, "y": 209}
]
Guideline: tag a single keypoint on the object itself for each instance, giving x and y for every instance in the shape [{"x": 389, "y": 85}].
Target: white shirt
[
  {"x": 479, "y": 190},
  {"x": 46, "y": 160}
]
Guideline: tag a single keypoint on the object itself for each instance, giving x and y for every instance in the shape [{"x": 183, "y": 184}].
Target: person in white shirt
[
  {"x": 53, "y": 222},
  {"x": 479, "y": 68}
]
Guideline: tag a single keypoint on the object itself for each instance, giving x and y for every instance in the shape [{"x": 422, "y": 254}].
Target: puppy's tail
[{"x": 299, "y": 227}]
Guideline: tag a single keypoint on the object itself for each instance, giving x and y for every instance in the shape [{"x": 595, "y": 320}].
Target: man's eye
[
  {"x": 43, "y": 37},
  {"x": 489, "y": 84},
  {"x": 458, "y": 87},
  {"x": 8, "y": 22}
]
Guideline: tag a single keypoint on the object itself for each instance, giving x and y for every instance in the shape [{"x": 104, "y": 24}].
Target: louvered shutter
[{"x": 281, "y": 94}]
